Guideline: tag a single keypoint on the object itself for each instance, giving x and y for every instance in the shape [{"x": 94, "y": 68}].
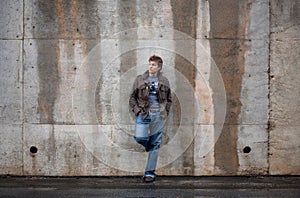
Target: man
[{"x": 150, "y": 100}]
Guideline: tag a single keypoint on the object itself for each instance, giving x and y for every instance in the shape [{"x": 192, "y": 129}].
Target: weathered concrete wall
[
  {"x": 284, "y": 88},
  {"x": 67, "y": 68},
  {"x": 240, "y": 49},
  {"x": 11, "y": 71}
]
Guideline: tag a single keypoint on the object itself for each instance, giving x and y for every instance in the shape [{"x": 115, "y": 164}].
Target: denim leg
[
  {"x": 141, "y": 130},
  {"x": 156, "y": 130},
  {"x": 152, "y": 161}
]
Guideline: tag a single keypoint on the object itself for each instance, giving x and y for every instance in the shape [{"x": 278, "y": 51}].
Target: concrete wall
[
  {"x": 67, "y": 68},
  {"x": 284, "y": 88}
]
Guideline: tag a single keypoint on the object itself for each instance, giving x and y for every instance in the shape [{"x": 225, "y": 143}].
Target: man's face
[{"x": 153, "y": 68}]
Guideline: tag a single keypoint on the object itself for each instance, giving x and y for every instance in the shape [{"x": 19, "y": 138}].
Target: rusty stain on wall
[
  {"x": 61, "y": 18},
  {"x": 127, "y": 11},
  {"x": 49, "y": 82},
  {"x": 184, "y": 20},
  {"x": 74, "y": 13},
  {"x": 50, "y": 62},
  {"x": 185, "y": 16},
  {"x": 48, "y": 73},
  {"x": 226, "y": 53}
]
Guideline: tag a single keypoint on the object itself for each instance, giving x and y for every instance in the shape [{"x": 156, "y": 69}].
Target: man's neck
[{"x": 152, "y": 75}]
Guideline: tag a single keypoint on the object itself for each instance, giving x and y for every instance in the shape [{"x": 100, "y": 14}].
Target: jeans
[{"x": 148, "y": 132}]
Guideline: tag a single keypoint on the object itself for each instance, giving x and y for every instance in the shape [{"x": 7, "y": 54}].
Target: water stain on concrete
[
  {"x": 48, "y": 73},
  {"x": 49, "y": 79},
  {"x": 184, "y": 20},
  {"x": 185, "y": 16},
  {"x": 228, "y": 49}
]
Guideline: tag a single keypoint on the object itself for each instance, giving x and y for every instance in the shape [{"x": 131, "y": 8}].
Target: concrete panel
[
  {"x": 204, "y": 142},
  {"x": 252, "y": 141},
  {"x": 50, "y": 70},
  {"x": 257, "y": 24},
  {"x": 285, "y": 19},
  {"x": 203, "y": 20},
  {"x": 239, "y": 20},
  {"x": 245, "y": 76},
  {"x": 94, "y": 19},
  {"x": 284, "y": 88},
  {"x": 10, "y": 80},
  {"x": 255, "y": 84},
  {"x": 62, "y": 19},
  {"x": 11, "y": 141},
  {"x": 224, "y": 20},
  {"x": 59, "y": 150},
  {"x": 284, "y": 150},
  {"x": 236, "y": 39},
  {"x": 252, "y": 149},
  {"x": 72, "y": 150},
  {"x": 11, "y": 23}
]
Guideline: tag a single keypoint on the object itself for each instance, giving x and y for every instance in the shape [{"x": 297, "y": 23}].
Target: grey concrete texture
[
  {"x": 252, "y": 21},
  {"x": 11, "y": 162},
  {"x": 90, "y": 19},
  {"x": 11, "y": 24},
  {"x": 65, "y": 81},
  {"x": 11, "y": 82},
  {"x": 284, "y": 87}
]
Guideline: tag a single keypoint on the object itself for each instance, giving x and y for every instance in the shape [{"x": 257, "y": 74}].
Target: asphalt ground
[{"x": 164, "y": 186}]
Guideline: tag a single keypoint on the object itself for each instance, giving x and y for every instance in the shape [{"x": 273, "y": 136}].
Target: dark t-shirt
[{"x": 153, "y": 89}]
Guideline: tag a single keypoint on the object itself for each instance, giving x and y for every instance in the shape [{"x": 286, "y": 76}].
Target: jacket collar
[
  {"x": 159, "y": 76},
  {"x": 146, "y": 75}
]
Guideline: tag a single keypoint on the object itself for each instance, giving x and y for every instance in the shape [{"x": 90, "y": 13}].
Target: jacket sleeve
[
  {"x": 133, "y": 104},
  {"x": 169, "y": 98}
]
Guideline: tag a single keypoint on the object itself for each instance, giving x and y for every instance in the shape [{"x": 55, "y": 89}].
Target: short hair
[{"x": 157, "y": 59}]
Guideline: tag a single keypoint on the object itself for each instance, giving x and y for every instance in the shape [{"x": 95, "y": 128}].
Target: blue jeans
[{"x": 148, "y": 132}]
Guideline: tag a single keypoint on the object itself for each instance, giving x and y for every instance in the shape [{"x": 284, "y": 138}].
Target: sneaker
[{"x": 148, "y": 178}]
